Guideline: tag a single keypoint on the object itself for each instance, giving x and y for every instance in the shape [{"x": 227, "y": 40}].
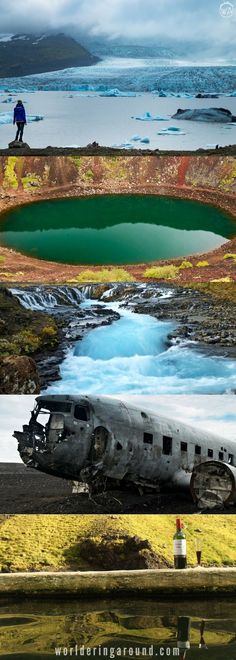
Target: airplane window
[
  {"x": 221, "y": 455},
  {"x": 55, "y": 406},
  {"x": 184, "y": 446},
  {"x": 167, "y": 445},
  {"x": 198, "y": 450},
  {"x": 231, "y": 459},
  {"x": 118, "y": 446},
  {"x": 210, "y": 453},
  {"x": 81, "y": 413},
  {"x": 148, "y": 438}
]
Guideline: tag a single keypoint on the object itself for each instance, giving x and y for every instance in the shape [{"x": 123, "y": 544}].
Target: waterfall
[{"x": 48, "y": 297}]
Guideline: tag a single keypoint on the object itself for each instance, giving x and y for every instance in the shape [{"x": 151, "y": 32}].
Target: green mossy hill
[
  {"x": 23, "y": 332},
  {"x": 58, "y": 542}
]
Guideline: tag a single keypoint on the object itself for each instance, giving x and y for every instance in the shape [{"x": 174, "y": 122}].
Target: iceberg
[
  {"x": 145, "y": 140},
  {"x": 171, "y": 130},
  {"x": 220, "y": 115},
  {"x": 8, "y": 100},
  {"x": 116, "y": 92},
  {"x": 147, "y": 116}
]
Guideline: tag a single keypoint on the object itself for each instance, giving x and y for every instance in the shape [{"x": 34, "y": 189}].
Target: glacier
[{"x": 145, "y": 75}]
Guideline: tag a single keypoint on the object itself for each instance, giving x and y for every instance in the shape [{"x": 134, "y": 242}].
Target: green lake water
[
  {"x": 115, "y": 229},
  {"x": 35, "y": 629}
]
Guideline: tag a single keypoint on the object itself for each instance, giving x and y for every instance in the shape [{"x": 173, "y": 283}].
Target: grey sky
[
  {"x": 213, "y": 413},
  {"x": 160, "y": 20}
]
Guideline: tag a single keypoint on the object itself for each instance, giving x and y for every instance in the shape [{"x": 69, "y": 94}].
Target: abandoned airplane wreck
[{"x": 100, "y": 442}]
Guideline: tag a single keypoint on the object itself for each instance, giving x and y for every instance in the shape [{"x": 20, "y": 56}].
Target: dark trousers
[{"x": 20, "y": 130}]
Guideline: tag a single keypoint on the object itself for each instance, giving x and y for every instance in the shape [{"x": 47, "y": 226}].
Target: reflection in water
[
  {"x": 49, "y": 629},
  {"x": 114, "y": 229}
]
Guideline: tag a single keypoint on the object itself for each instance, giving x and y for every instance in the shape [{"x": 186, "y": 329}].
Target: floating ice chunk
[
  {"x": 116, "y": 92},
  {"x": 145, "y": 140},
  {"x": 8, "y": 100},
  {"x": 135, "y": 138},
  {"x": 165, "y": 94},
  {"x": 147, "y": 116},
  {"x": 123, "y": 145},
  {"x": 35, "y": 118},
  {"x": 172, "y": 130},
  {"x": 7, "y": 118}
]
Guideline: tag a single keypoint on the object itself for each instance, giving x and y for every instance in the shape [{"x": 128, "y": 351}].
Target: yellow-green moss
[
  {"x": 229, "y": 179},
  {"x": 88, "y": 175},
  {"x": 76, "y": 160},
  {"x": 30, "y": 180},
  {"x": 10, "y": 178}
]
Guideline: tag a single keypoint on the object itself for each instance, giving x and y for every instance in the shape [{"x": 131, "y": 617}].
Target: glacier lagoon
[{"x": 79, "y": 105}]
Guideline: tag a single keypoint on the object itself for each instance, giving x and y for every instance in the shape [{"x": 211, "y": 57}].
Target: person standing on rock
[{"x": 20, "y": 120}]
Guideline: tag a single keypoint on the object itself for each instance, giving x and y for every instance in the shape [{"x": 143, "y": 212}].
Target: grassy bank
[{"x": 44, "y": 542}]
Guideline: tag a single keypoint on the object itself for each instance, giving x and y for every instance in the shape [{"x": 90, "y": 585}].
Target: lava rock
[{"x": 18, "y": 145}]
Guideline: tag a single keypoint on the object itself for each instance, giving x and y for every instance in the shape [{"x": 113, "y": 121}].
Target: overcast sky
[
  {"x": 213, "y": 413},
  {"x": 157, "y": 20}
]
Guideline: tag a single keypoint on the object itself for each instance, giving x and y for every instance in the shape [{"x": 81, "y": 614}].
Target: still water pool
[
  {"x": 45, "y": 629},
  {"x": 114, "y": 229}
]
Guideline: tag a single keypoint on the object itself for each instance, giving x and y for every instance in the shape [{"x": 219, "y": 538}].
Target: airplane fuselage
[{"x": 86, "y": 437}]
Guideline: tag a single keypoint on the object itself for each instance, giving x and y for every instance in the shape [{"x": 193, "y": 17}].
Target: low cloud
[{"x": 192, "y": 21}]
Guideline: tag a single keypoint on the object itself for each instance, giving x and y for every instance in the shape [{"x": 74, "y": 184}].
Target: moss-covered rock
[{"x": 18, "y": 375}]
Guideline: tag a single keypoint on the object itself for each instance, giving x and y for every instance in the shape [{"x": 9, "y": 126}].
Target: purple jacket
[{"x": 19, "y": 114}]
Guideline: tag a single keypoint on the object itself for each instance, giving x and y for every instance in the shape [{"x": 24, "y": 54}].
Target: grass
[
  {"x": 229, "y": 256},
  {"x": 222, "y": 279},
  {"x": 185, "y": 264},
  {"x": 40, "y": 542},
  {"x": 162, "y": 272},
  {"x": 104, "y": 275},
  {"x": 202, "y": 264}
]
